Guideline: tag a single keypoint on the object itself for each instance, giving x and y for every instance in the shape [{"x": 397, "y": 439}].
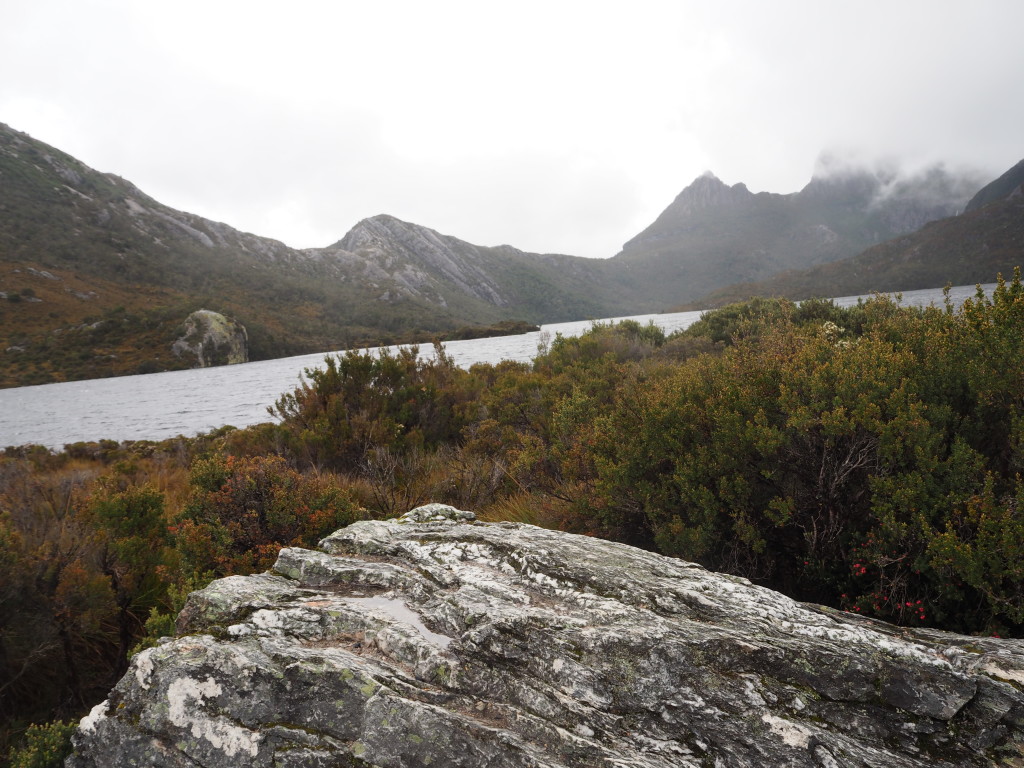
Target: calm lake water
[{"x": 161, "y": 405}]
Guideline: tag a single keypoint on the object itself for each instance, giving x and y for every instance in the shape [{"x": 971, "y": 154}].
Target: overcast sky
[{"x": 551, "y": 126}]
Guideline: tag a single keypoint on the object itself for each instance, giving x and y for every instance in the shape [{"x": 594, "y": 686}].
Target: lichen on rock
[
  {"x": 210, "y": 338},
  {"x": 434, "y": 639}
]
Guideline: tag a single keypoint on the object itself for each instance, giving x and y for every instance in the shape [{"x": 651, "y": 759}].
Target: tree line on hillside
[{"x": 867, "y": 458}]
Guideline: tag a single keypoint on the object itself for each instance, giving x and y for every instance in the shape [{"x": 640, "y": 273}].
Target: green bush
[
  {"x": 46, "y": 746},
  {"x": 242, "y": 511},
  {"x": 359, "y": 402},
  {"x": 875, "y": 469}
]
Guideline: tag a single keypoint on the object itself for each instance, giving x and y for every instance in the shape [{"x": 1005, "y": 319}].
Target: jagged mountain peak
[
  {"x": 714, "y": 234},
  {"x": 385, "y": 221},
  {"x": 708, "y": 177},
  {"x": 852, "y": 184},
  {"x": 708, "y": 191},
  {"x": 932, "y": 186},
  {"x": 384, "y": 230},
  {"x": 416, "y": 257}
]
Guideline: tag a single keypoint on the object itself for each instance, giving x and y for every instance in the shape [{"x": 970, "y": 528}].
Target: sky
[{"x": 555, "y": 126}]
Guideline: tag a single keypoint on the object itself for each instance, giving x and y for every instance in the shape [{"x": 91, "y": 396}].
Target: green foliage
[
  {"x": 622, "y": 341},
  {"x": 874, "y": 469},
  {"x": 133, "y": 551},
  {"x": 362, "y": 401},
  {"x": 243, "y": 510},
  {"x": 759, "y": 315},
  {"x": 982, "y": 548},
  {"x": 56, "y": 604},
  {"x": 729, "y": 323},
  {"x": 45, "y": 746},
  {"x": 161, "y": 622}
]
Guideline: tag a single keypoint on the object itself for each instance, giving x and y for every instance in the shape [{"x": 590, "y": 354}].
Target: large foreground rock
[{"x": 447, "y": 642}]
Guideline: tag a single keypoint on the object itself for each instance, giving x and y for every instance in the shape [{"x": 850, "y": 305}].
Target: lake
[{"x": 157, "y": 406}]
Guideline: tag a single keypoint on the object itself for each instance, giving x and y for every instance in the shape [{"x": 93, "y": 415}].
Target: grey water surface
[{"x": 157, "y": 406}]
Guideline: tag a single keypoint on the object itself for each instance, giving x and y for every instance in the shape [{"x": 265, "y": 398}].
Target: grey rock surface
[
  {"x": 436, "y": 640},
  {"x": 212, "y": 339}
]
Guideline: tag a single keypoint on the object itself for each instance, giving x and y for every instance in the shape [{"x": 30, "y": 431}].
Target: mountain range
[
  {"x": 714, "y": 235},
  {"x": 98, "y": 278},
  {"x": 986, "y": 240}
]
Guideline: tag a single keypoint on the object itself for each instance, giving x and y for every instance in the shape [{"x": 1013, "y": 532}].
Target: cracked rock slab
[{"x": 437, "y": 640}]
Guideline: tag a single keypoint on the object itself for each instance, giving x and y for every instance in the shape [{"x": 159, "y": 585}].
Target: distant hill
[
  {"x": 714, "y": 235},
  {"x": 973, "y": 247},
  {"x": 97, "y": 278}
]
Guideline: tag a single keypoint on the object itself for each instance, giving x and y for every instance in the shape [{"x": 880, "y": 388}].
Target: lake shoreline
[{"x": 159, "y": 406}]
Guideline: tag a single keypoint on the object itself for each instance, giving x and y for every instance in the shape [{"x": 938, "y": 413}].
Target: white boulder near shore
[{"x": 209, "y": 338}]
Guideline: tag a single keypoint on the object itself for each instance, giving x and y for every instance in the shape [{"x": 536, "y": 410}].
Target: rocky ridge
[
  {"x": 437, "y": 640},
  {"x": 388, "y": 243},
  {"x": 418, "y": 263},
  {"x": 986, "y": 240}
]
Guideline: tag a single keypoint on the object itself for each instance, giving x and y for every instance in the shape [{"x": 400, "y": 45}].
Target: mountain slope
[
  {"x": 715, "y": 235},
  {"x": 144, "y": 267},
  {"x": 1010, "y": 183},
  {"x": 984, "y": 241},
  {"x": 470, "y": 278}
]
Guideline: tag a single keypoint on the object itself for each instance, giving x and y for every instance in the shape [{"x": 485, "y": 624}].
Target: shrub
[
  {"x": 46, "y": 746},
  {"x": 361, "y": 401},
  {"x": 243, "y": 510}
]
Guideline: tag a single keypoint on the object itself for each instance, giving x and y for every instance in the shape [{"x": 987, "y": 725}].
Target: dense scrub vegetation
[{"x": 866, "y": 458}]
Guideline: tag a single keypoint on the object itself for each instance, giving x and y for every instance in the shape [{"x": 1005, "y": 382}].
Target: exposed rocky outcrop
[
  {"x": 419, "y": 255},
  {"x": 212, "y": 339},
  {"x": 436, "y": 640},
  {"x": 416, "y": 262}
]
